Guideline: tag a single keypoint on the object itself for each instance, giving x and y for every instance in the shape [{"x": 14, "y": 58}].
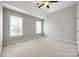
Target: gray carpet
[{"x": 40, "y": 48}]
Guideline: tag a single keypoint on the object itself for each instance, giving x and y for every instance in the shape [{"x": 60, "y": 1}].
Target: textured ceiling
[{"x": 56, "y": 6}]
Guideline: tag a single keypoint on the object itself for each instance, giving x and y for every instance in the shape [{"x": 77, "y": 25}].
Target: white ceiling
[
  {"x": 30, "y": 7},
  {"x": 26, "y": 7},
  {"x": 56, "y": 6}
]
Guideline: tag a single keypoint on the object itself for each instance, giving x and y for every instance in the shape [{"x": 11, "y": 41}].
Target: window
[
  {"x": 38, "y": 27},
  {"x": 16, "y": 26}
]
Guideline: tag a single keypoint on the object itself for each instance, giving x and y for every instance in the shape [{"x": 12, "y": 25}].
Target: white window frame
[
  {"x": 38, "y": 27},
  {"x": 21, "y": 26}
]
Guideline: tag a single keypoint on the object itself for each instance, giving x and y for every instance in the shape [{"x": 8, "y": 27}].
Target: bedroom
[{"x": 29, "y": 31}]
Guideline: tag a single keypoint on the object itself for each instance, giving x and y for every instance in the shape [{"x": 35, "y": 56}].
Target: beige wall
[
  {"x": 29, "y": 25},
  {"x": 62, "y": 24}
]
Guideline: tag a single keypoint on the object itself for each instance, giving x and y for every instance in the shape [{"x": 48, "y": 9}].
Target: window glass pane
[
  {"x": 38, "y": 27},
  {"x": 16, "y": 26}
]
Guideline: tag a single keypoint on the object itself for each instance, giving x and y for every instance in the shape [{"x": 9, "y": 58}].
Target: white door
[{"x": 78, "y": 25}]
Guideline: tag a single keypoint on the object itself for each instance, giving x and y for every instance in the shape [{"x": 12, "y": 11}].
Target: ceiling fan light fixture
[{"x": 46, "y": 3}]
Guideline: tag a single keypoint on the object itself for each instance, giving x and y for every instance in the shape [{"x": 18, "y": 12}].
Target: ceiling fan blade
[
  {"x": 41, "y": 5},
  {"x": 47, "y": 6},
  {"x": 52, "y": 1}
]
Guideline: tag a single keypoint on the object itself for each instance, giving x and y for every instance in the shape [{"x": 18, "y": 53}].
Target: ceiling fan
[{"x": 45, "y": 3}]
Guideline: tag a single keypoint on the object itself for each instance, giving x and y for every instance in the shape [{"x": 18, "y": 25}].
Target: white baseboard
[
  {"x": 46, "y": 36},
  {"x": 21, "y": 40},
  {"x": 60, "y": 39},
  {"x": 16, "y": 41}
]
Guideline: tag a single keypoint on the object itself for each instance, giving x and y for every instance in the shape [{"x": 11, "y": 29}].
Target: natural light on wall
[
  {"x": 16, "y": 26},
  {"x": 38, "y": 27}
]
